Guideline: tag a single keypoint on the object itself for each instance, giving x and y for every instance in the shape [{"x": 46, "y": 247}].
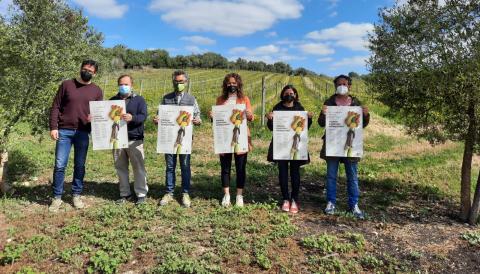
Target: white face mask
[{"x": 342, "y": 90}]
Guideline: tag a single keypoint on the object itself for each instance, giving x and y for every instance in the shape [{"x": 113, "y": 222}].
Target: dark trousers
[
  {"x": 240, "y": 168},
  {"x": 294, "y": 177}
]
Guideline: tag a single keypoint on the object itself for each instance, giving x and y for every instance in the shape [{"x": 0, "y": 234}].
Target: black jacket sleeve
[{"x": 270, "y": 122}]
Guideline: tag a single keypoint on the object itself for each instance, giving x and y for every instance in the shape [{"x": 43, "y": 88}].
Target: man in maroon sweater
[{"x": 70, "y": 125}]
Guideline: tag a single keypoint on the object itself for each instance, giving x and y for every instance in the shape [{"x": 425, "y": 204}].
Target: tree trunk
[
  {"x": 466, "y": 182},
  {"x": 475, "y": 212},
  {"x": 4, "y": 186}
]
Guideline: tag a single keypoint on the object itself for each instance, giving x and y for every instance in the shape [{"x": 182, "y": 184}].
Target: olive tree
[
  {"x": 425, "y": 65},
  {"x": 42, "y": 42}
]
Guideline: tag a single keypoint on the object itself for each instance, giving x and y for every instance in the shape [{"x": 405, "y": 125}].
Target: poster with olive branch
[
  {"x": 230, "y": 131},
  {"x": 175, "y": 129},
  {"x": 344, "y": 132},
  {"x": 290, "y": 135},
  {"x": 109, "y": 131}
]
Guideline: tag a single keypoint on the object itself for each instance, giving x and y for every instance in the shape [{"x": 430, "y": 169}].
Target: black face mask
[
  {"x": 86, "y": 76},
  {"x": 232, "y": 89},
  {"x": 288, "y": 98}
]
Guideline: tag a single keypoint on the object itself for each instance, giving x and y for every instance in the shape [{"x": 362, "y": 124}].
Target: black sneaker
[
  {"x": 140, "y": 200},
  {"x": 124, "y": 200}
]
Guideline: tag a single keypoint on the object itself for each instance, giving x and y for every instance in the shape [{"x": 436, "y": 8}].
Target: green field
[{"x": 409, "y": 191}]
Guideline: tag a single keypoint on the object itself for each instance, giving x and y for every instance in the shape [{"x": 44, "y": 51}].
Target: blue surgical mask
[{"x": 124, "y": 89}]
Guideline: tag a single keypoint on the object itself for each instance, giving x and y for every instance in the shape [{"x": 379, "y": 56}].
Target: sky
[{"x": 325, "y": 36}]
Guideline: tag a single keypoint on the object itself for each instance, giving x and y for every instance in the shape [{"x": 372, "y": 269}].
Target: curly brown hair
[{"x": 238, "y": 79}]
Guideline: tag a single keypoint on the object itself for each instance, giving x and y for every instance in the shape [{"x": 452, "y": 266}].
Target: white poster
[
  {"x": 109, "y": 131},
  {"x": 230, "y": 131},
  {"x": 290, "y": 135},
  {"x": 344, "y": 132},
  {"x": 175, "y": 129}
]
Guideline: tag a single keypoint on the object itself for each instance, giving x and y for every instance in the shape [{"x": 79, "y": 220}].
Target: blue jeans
[
  {"x": 79, "y": 139},
  {"x": 352, "y": 181},
  {"x": 171, "y": 161}
]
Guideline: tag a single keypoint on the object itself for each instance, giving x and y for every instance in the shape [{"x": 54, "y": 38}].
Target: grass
[
  {"x": 397, "y": 189},
  {"x": 472, "y": 237}
]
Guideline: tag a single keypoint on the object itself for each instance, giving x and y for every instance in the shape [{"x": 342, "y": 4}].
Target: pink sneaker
[
  {"x": 286, "y": 206},
  {"x": 294, "y": 207}
]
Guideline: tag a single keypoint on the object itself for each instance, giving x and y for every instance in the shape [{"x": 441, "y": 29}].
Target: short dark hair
[
  {"x": 289, "y": 86},
  {"x": 123, "y": 76},
  {"x": 90, "y": 63},
  {"x": 344, "y": 77},
  {"x": 179, "y": 72}
]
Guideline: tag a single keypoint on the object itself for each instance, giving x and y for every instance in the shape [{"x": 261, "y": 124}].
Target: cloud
[
  {"x": 291, "y": 43},
  {"x": 267, "y": 53},
  {"x": 262, "y": 50},
  {"x": 238, "y": 50},
  {"x": 347, "y": 35},
  {"x": 198, "y": 40},
  {"x": 355, "y": 61},
  {"x": 271, "y": 34},
  {"x": 226, "y": 17},
  {"x": 316, "y": 49},
  {"x": 288, "y": 57},
  {"x": 106, "y": 9},
  {"x": 325, "y": 59},
  {"x": 194, "y": 49},
  {"x": 333, "y": 14},
  {"x": 333, "y": 3}
]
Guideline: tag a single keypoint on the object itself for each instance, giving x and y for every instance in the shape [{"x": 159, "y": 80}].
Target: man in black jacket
[{"x": 135, "y": 116}]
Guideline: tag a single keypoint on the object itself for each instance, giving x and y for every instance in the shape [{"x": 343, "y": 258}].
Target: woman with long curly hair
[{"x": 232, "y": 93}]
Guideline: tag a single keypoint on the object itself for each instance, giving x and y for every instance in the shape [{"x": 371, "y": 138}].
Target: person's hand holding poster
[
  {"x": 230, "y": 132},
  {"x": 175, "y": 129},
  {"x": 344, "y": 132},
  {"x": 290, "y": 135},
  {"x": 109, "y": 131}
]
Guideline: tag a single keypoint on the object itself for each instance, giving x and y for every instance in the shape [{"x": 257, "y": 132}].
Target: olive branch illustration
[
  {"x": 352, "y": 121},
  {"x": 236, "y": 118},
  {"x": 183, "y": 120},
  {"x": 115, "y": 114},
  {"x": 298, "y": 125}
]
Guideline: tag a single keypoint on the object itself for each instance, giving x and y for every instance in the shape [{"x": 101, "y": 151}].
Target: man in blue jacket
[{"x": 135, "y": 116}]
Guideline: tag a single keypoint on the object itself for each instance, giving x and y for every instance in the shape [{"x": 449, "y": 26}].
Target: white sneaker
[
  {"x": 167, "y": 198},
  {"x": 186, "y": 200},
  {"x": 239, "y": 201},
  {"x": 330, "y": 209},
  {"x": 357, "y": 212},
  {"x": 226, "y": 200},
  {"x": 77, "y": 202},
  {"x": 55, "y": 205}
]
